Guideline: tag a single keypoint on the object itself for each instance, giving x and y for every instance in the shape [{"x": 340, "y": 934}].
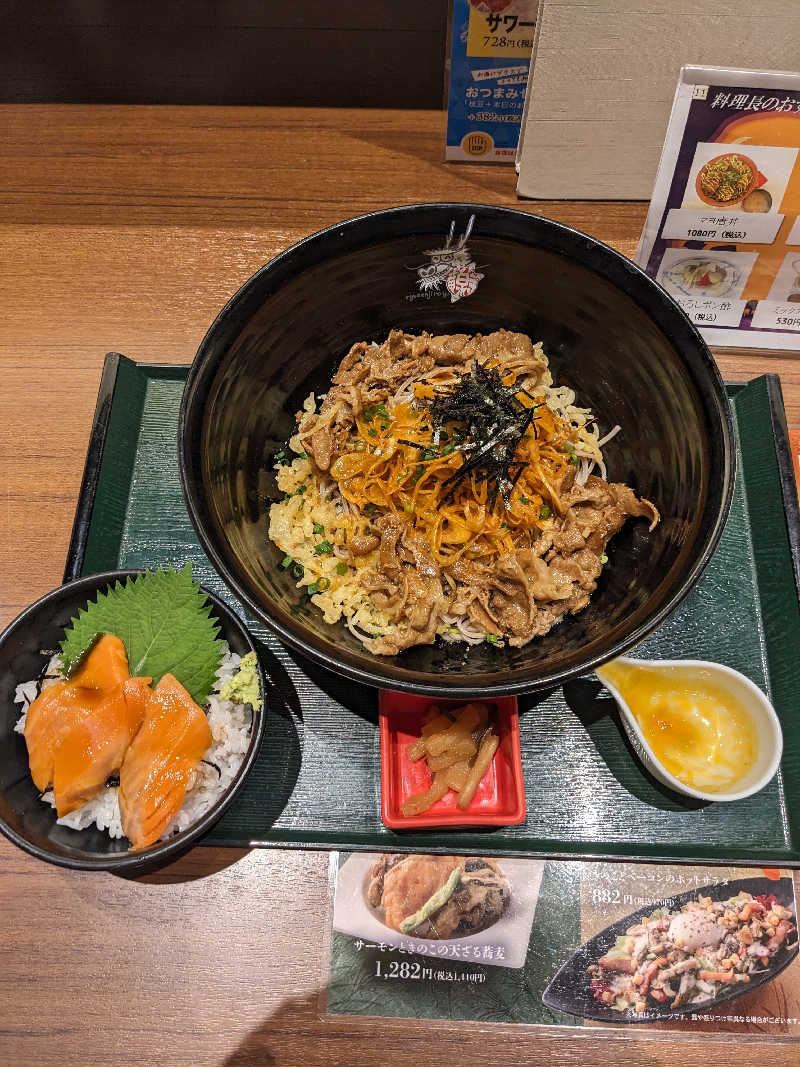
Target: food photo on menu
[
  {"x": 723, "y": 228},
  {"x": 453, "y": 570},
  {"x": 689, "y": 949}
]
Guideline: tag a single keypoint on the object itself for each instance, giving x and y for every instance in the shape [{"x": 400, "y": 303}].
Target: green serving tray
[{"x": 316, "y": 783}]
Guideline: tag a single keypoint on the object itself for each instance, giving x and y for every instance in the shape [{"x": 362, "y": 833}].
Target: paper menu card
[
  {"x": 723, "y": 230},
  {"x": 529, "y": 937},
  {"x": 490, "y": 49}
]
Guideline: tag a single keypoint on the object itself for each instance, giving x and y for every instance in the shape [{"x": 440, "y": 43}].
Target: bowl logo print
[
  {"x": 450, "y": 267},
  {"x": 461, "y": 281}
]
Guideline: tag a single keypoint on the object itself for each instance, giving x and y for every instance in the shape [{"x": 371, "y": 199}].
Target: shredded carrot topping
[{"x": 400, "y": 463}]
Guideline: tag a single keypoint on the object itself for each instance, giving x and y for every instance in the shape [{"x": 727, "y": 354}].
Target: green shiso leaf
[{"x": 163, "y": 619}]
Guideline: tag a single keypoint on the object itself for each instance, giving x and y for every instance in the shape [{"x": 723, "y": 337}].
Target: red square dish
[{"x": 500, "y": 797}]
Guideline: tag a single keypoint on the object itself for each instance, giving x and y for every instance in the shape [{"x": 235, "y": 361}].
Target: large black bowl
[
  {"x": 23, "y": 817},
  {"x": 611, "y": 333}
]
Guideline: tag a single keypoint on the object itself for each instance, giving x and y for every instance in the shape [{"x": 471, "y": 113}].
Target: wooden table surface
[{"x": 127, "y": 229}]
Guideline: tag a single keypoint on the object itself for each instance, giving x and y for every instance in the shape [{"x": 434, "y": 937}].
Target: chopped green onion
[
  {"x": 428, "y": 454},
  {"x": 574, "y": 459},
  {"x": 369, "y": 509},
  {"x": 448, "y": 449},
  {"x": 319, "y": 528},
  {"x": 324, "y": 548},
  {"x": 524, "y": 501},
  {"x": 604, "y": 558},
  {"x": 298, "y": 570},
  {"x": 341, "y": 568},
  {"x": 409, "y": 508},
  {"x": 280, "y": 457},
  {"x": 544, "y": 512},
  {"x": 300, "y": 489},
  {"x": 286, "y": 562},
  {"x": 418, "y": 474},
  {"x": 312, "y": 589},
  {"x": 303, "y": 455},
  {"x": 323, "y": 584},
  {"x": 381, "y": 410},
  {"x": 372, "y": 431},
  {"x": 492, "y": 639}
]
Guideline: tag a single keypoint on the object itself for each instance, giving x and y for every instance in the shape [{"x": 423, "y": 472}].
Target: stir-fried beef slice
[
  {"x": 367, "y": 375},
  {"x": 409, "y": 584},
  {"x": 599, "y": 509},
  {"x": 329, "y": 442},
  {"x": 391, "y": 528},
  {"x": 388, "y": 593},
  {"x": 354, "y": 368},
  {"x": 569, "y": 538},
  {"x": 500, "y": 598},
  {"x": 400, "y": 545},
  {"x": 362, "y": 544},
  {"x": 630, "y": 504},
  {"x": 514, "y": 351},
  {"x": 383, "y": 367},
  {"x": 523, "y": 594}
]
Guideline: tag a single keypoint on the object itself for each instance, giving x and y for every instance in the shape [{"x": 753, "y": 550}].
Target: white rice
[{"x": 230, "y": 728}]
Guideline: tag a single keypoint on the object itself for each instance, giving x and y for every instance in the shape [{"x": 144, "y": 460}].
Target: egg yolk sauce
[{"x": 698, "y": 730}]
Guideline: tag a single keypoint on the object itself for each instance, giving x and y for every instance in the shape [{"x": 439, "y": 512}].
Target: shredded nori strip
[
  {"x": 494, "y": 421},
  {"x": 211, "y": 764}
]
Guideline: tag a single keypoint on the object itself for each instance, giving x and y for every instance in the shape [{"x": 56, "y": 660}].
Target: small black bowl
[
  {"x": 24, "y": 819},
  {"x": 612, "y": 334}
]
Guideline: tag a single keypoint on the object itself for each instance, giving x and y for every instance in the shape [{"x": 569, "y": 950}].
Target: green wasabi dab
[{"x": 243, "y": 687}]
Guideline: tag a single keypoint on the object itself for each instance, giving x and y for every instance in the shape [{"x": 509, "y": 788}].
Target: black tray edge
[
  {"x": 783, "y": 451},
  {"x": 91, "y": 468},
  {"x": 784, "y": 860}
]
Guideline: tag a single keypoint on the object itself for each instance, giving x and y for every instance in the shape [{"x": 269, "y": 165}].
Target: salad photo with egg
[{"x": 682, "y": 956}]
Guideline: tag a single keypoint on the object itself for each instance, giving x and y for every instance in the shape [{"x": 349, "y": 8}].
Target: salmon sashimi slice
[
  {"x": 105, "y": 666},
  {"x": 160, "y": 765},
  {"x": 52, "y": 715},
  {"x": 60, "y": 706},
  {"x": 93, "y": 747}
]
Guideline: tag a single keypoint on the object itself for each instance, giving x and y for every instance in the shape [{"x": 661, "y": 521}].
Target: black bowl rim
[
  {"x": 150, "y": 857},
  {"x": 667, "y": 315}
]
